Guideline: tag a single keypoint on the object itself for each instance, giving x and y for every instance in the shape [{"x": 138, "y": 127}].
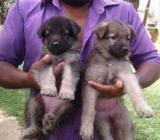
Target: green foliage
[
  {"x": 12, "y": 102},
  {"x": 147, "y": 128},
  {"x": 4, "y": 6}
]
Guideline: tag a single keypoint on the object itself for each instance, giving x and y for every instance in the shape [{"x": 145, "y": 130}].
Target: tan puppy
[{"x": 110, "y": 61}]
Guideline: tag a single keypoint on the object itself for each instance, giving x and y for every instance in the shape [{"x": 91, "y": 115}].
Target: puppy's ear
[
  {"x": 101, "y": 29},
  {"x": 75, "y": 29},
  {"x": 132, "y": 32}
]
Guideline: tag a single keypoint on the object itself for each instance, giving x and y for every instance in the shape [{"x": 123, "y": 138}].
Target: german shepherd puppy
[
  {"x": 109, "y": 61},
  {"x": 60, "y": 39}
]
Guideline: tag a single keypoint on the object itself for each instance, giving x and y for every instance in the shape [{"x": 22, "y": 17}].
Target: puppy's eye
[
  {"x": 113, "y": 37},
  {"x": 47, "y": 33},
  {"x": 128, "y": 38},
  {"x": 66, "y": 32}
]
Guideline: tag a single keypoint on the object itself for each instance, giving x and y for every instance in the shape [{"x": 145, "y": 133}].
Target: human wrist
[{"x": 29, "y": 81}]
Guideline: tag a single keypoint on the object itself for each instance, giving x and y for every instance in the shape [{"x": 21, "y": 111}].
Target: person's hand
[
  {"x": 46, "y": 60},
  {"x": 108, "y": 91}
]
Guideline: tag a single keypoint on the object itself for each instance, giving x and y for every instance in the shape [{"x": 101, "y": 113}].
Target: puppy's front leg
[
  {"x": 69, "y": 83},
  {"x": 132, "y": 88},
  {"x": 89, "y": 97},
  {"x": 46, "y": 80}
]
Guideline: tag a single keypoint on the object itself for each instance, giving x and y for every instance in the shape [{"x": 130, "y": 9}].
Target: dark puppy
[
  {"x": 59, "y": 36},
  {"x": 110, "y": 61}
]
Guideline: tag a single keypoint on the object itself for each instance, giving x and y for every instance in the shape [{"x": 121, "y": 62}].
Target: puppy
[
  {"x": 109, "y": 61},
  {"x": 59, "y": 36}
]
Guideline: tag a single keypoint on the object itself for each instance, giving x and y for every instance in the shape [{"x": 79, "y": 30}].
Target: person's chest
[{"x": 34, "y": 19}]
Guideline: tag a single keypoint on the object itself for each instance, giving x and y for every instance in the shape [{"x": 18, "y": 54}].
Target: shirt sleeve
[
  {"x": 12, "y": 42},
  {"x": 143, "y": 49}
]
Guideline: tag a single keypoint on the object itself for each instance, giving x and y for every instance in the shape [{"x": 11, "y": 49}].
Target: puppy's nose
[
  {"x": 55, "y": 43},
  {"x": 125, "y": 50}
]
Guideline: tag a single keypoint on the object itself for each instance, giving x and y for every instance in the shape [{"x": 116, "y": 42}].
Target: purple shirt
[{"x": 19, "y": 41}]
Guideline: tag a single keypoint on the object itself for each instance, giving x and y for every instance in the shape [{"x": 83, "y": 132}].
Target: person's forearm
[
  {"x": 11, "y": 77},
  {"x": 148, "y": 73}
]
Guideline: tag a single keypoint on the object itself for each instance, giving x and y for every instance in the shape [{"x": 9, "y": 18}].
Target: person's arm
[
  {"x": 12, "y": 50},
  {"x": 11, "y": 77},
  {"x": 148, "y": 73}
]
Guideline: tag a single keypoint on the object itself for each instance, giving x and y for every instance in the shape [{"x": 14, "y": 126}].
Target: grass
[
  {"x": 147, "y": 129},
  {"x": 12, "y": 102}
]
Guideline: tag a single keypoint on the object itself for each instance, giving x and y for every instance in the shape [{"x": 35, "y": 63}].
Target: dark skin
[{"x": 11, "y": 77}]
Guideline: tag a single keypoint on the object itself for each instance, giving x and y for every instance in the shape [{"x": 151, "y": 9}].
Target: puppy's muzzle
[
  {"x": 57, "y": 47},
  {"x": 125, "y": 50},
  {"x": 55, "y": 44},
  {"x": 119, "y": 50}
]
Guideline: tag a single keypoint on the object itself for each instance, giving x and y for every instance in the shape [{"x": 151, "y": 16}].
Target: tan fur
[{"x": 107, "y": 62}]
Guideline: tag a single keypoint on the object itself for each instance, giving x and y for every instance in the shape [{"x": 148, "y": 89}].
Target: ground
[{"x": 9, "y": 127}]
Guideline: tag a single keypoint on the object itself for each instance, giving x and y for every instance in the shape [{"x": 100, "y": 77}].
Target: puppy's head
[
  {"x": 114, "y": 37},
  {"x": 58, "y": 34}
]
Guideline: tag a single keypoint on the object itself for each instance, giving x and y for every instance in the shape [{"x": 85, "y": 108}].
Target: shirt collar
[
  {"x": 48, "y": 2},
  {"x": 98, "y": 5}
]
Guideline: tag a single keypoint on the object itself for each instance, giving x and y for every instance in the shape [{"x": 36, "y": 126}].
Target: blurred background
[{"x": 150, "y": 15}]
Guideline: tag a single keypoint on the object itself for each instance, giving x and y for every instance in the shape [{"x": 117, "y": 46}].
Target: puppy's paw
[
  {"x": 144, "y": 111},
  {"x": 48, "y": 91},
  {"x": 48, "y": 123},
  {"x": 86, "y": 133},
  {"x": 30, "y": 133},
  {"x": 66, "y": 94}
]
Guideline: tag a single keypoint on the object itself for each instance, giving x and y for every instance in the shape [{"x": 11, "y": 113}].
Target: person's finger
[
  {"x": 108, "y": 91},
  {"x": 58, "y": 68},
  {"x": 97, "y": 86},
  {"x": 119, "y": 84},
  {"x": 46, "y": 59}
]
